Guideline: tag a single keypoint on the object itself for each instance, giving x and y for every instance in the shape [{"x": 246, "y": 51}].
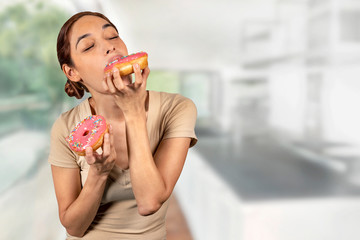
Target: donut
[
  {"x": 125, "y": 63},
  {"x": 88, "y": 132}
]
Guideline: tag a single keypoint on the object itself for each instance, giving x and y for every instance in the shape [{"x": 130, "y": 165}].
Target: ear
[{"x": 71, "y": 73}]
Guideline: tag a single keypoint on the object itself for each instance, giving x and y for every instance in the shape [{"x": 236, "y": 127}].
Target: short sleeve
[
  {"x": 181, "y": 119},
  {"x": 60, "y": 153}
]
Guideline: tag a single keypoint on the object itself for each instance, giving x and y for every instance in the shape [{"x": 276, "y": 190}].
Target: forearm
[
  {"x": 148, "y": 185},
  {"x": 79, "y": 215}
]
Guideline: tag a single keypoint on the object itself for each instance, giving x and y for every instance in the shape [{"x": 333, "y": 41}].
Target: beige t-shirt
[{"x": 169, "y": 116}]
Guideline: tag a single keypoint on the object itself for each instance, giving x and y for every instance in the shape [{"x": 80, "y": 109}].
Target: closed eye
[
  {"x": 88, "y": 48},
  {"x": 113, "y": 37}
]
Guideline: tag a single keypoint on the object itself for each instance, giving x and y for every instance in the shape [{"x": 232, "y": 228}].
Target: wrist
[
  {"x": 97, "y": 176},
  {"x": 135, "y": 116}
]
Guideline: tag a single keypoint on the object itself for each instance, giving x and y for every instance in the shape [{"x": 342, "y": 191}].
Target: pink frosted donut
[
  {"x": 125, "y": 63},
  {"x": 87, "y": 133}
]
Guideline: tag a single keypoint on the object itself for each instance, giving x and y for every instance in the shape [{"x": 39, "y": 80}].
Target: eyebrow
[
  {"x": 106, "y": 25},
  {"x": 81, "y": 37}
]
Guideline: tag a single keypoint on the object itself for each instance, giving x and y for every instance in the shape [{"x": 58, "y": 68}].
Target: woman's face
[{"x": 93, "y": 43}]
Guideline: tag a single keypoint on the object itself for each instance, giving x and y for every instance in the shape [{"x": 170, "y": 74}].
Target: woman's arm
[
  {"x": 153, "y": 178},
  {"x": 78, "y": 207}
]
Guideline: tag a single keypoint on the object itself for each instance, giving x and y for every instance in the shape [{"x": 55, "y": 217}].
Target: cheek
[
  {"x": 93, "y": 77},
  {"x": 90, "y": 69},
  {"x": 122, "y": 47}
]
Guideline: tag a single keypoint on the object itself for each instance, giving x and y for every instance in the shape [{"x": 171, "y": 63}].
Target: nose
[
  {"x": 110, "y": 50},
  {"x": 108, "y": 47}
]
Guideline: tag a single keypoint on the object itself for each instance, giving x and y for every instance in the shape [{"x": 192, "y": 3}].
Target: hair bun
[{"x": 73, "y": 89}]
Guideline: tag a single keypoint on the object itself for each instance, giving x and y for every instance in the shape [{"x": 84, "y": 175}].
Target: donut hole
[{"x": 86, "y": 133}]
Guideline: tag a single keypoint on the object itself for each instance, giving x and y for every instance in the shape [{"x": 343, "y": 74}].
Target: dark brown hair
[{"x": 63, "y": 51}]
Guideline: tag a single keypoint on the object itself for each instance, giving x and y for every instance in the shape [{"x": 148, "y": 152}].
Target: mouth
[{"x": 113, "y": 61}]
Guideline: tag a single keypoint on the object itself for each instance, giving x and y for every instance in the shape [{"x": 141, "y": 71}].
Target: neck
[{"x": 105, "y": 105}]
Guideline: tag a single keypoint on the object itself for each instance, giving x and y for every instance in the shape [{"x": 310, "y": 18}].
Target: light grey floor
[
  {"x": 27, "y": 199},
  {"x": 258, "y": 170}
]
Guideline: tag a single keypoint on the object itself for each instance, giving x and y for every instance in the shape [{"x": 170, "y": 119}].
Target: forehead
[{"x": 85, "y": 25}]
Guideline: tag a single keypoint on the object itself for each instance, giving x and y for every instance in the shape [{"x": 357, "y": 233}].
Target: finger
[
  {"x": 89, "y": 156},
  {"x": 110, "y": 158},
  {"x": 111, "y": 133},
  {"x": 118, "y": 81},
  {"x": 106, "y": 145},
  {"x": 138, "y": 76},
  {"x": 104, "y": 83},
  {"x": 145, "y": 75},
  {"x": 110, "y": 84},
  {"x": 97, "y": 156}
]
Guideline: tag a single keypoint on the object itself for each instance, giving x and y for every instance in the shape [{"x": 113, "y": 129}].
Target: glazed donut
[
  {"x": 124, "y": 64},
  {"x": 88, "y": 132}
]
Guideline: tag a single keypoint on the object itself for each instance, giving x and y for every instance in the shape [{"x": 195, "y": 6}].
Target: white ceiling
[{"x": 198, "y": 34}]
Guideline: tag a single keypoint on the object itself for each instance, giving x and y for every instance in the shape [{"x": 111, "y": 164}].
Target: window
[
  {"x": 349, "y": 26},
  {"x": 197, "y": 85},
  {"x": 319, "y": 31}
]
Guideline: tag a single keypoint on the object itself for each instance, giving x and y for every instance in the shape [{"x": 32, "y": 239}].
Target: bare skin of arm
[
  {"x": 153, "y": 178},
  {"x": 78, "y": 207}
]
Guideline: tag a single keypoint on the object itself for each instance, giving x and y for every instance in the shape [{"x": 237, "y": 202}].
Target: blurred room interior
[{"x": 275, "y": 84}]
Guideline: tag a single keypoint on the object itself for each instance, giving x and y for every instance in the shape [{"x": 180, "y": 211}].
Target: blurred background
[{"x": 276, "y": 84}]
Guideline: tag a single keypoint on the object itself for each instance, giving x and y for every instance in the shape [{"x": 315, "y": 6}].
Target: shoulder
[
  {"x": 67, "y": 119},
  {"x": 60, "y": 152},
  {"x": 178, "y": 116},
  {"x": 174, "y": 101},
  {"x": 174, "y": 107}
]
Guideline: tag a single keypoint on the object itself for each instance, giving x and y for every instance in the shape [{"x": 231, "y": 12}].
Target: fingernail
[{"x": 115, "y": 70}]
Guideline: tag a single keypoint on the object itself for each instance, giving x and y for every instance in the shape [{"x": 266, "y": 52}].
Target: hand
[
  {"x": 102, "y": 163},
  {"x": 129, "y": 97}
]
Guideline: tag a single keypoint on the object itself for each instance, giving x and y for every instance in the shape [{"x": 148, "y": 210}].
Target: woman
[{"x": 121, "y": 191}]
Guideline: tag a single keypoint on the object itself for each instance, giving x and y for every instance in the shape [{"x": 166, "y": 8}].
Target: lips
[{"x": 113, "y": 60}]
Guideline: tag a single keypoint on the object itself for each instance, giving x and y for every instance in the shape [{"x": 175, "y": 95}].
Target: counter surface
[{"x": 261, "y": 169}]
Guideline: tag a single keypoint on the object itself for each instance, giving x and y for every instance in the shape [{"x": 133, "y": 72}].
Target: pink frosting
[
  {"x": 124, "y": 59},
  {"x": 87, "y": 133}
]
